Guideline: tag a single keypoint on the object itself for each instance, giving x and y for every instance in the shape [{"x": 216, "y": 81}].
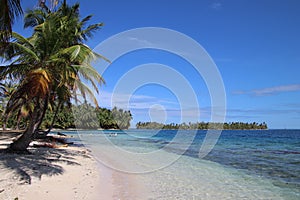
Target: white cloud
[
  {"x": 270, "y": 90},
  {"x": 143, "y": 105},
  {"x": 128, "y": 101},
  {"x": 216, "y": 5},
  {"x": 147, "y": 108},
  {"x": 142, "y": 42}
]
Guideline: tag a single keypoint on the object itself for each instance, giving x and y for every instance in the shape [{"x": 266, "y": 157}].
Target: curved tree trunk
[
  {"x": 41, "y": 117},
  {"x": 4, "y": 125},
  {"x": 54, "y": 117},
  {"x": 21, "y": 144},
  {"x": 19, "y": 120},
  {"x": 36, "y": 118}
]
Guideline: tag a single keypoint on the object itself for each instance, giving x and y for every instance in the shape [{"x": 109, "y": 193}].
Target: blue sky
[{"x": 254, "y": 43}]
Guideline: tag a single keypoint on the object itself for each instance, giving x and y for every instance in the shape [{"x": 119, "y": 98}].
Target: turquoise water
[{"x": 255, "y": 164}]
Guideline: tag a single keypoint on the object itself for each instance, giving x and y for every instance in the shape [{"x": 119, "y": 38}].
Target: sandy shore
[
  {"x": 48, "y": 173},
  {"x": 62, "y": 173}
]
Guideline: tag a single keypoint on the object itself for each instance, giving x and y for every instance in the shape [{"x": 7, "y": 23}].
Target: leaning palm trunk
[
  {"x": 36, "y": 118},
  {"x": 41, "y": 117},
  {"x": 5, "y": 120},
  {"x": 4, "y": 123},
  {"x": 19, "y": 117},
  {"x": 54, "y": 117},
  {"x": 21, "y": 144}
]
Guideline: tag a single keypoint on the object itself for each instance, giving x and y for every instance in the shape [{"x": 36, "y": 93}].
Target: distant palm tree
[
  {"x": 9, "y": 10},
  {"x": 85, "y": 116},
  {"x": 7, "y": 88},
  {"x": 50, "y": 66},
  {"x": 53, "y": 4}
]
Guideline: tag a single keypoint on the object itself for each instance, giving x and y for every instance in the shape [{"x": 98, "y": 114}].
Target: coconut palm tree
[
  {"x": 9, "y": 10},
  {"x": 54, "y": 59},
  {"x": 7, "y": 88}
]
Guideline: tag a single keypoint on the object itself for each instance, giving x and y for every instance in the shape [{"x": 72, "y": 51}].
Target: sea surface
[{"x": 243, "y": 164}]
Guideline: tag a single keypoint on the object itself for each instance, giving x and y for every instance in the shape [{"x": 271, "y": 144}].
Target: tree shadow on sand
[{"x": 40, "y": 161}]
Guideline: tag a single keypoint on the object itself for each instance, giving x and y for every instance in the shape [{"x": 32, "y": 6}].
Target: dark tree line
[
  {"x": 83, "y": 116},
  {"x": 203, "y": 126}
]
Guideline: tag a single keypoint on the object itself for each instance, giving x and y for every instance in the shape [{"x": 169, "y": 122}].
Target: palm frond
[
  {"x": 34, "y": 18},
  {"x": 85, "y": 91},
  {"x": 9, "y": 11}
]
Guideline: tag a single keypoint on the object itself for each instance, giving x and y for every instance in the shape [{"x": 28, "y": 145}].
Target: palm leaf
[
  {"x": 9, "y": 10},
  {"x": 86, "y": 92},
  {"x": 34, "y": 18}
]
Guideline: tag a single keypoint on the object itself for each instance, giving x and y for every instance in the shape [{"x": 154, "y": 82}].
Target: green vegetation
[
  {"x": 49, "y": 68},
  {"x": 83, "y": 116},
  {"x": 9, "y": 10},
  {"x": 202, "y": 126}
]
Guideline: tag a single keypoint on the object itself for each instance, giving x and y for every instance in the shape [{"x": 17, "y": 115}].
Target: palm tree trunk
[
  {"x": 19, "y": 120},
  {"x": 54, "y": 117},
  {"x": 4, "y": 125},
  {"x": 21, "y": 144},
  {"x": 41, "y": 117}
]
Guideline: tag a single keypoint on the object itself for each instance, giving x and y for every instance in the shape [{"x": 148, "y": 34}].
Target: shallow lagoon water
[{"x": 255, "y": 164}]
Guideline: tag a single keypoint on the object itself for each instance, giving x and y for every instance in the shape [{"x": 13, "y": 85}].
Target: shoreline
[
  {"x": 61, "y": 173},
  {"x": 118, "y": 185},
  {"x": 49, "y": 173},
  {"x": 91, "y": 172}
]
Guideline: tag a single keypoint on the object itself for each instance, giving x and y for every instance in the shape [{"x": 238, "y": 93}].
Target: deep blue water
[{"x": 273, "y": 154}]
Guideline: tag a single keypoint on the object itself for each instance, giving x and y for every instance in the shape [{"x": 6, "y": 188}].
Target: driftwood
[
  {"x": 43, "y": 139},
  {"x": 47, "y": 144}
]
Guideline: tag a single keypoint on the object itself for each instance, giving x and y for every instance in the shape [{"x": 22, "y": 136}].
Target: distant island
[{"x": 203, "y": 126}]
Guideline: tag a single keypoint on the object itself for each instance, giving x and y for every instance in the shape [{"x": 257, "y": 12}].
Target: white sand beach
[
  {"x": 57, "y": 173},
  {"x": 61, "y": 173}
]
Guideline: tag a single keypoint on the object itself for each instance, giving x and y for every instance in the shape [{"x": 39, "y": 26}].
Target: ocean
[{"x": 243, "y": 164}]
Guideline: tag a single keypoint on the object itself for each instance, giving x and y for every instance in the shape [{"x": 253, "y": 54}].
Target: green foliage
[
  {"x": 51, "y": 67},
  {"x": 63, "y": 120},
  {"x": 85, "y": 116},
  {"x": 122, "y": 118},
  {"x": 106, "y": 119},
  {"x": 9, "y": 11},
  {"x": 202, "y": 126},
  {"x": 52, "y": 63}
]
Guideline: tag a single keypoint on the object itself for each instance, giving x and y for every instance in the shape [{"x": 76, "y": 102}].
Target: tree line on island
[
  {"x": 203, "y": 126},
  {"x": 84, "y": 116}
]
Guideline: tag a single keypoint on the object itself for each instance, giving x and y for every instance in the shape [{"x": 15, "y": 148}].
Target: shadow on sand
[{"x": 40, "y": 161}]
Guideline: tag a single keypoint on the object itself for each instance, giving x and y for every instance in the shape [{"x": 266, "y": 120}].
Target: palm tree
[
  {"x": 7, "y": 88},
  {"x": 85, "y": 116},
  {"x": 52, "y": 60},
  {"x": 9, "y": 10}
]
